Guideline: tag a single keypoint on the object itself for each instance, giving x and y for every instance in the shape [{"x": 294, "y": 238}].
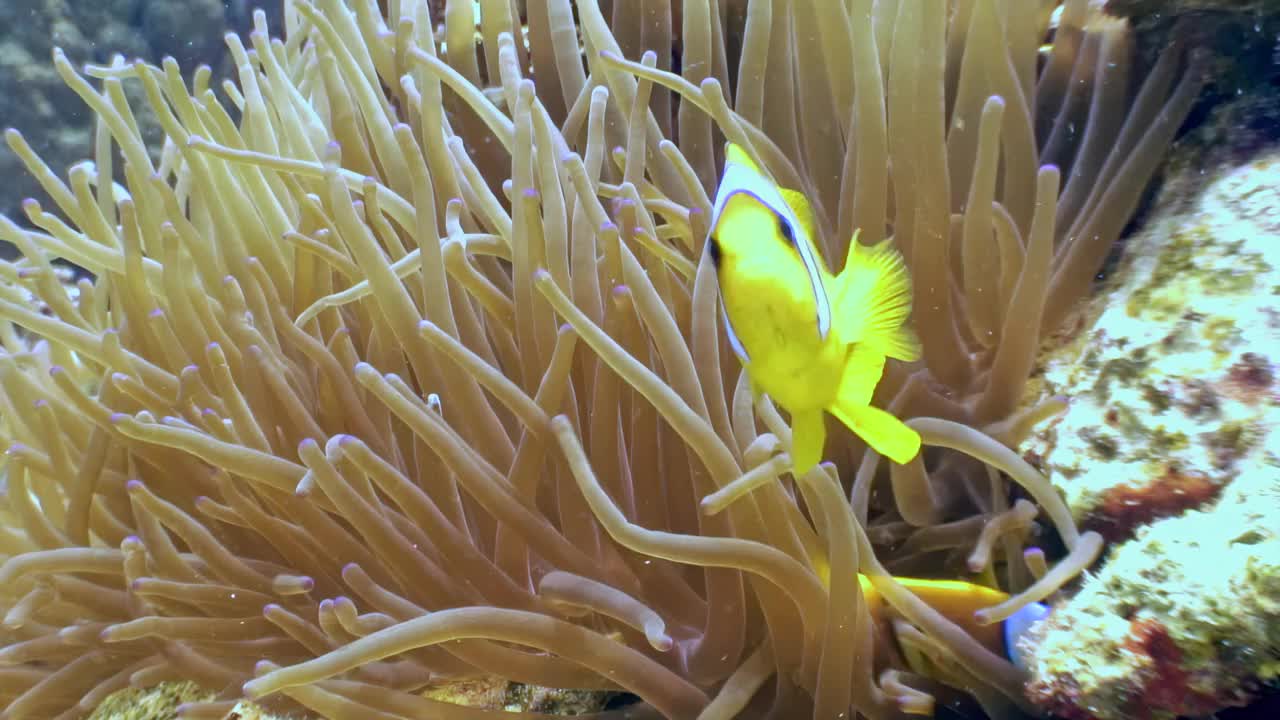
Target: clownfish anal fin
[{"x": 808, "y": 439}]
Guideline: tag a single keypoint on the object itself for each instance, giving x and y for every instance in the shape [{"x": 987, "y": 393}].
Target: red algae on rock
[
  {"x": 1124, "y": 508},
  {"x": 1160, "y": 682},
  {"x": 1165, "y": 683}
]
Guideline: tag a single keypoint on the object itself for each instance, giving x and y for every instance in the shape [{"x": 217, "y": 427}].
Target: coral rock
[{"x": 1174, "y": 415}]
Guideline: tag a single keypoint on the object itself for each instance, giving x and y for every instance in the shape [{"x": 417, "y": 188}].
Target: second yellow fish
[{"x": 811, "y": 341}]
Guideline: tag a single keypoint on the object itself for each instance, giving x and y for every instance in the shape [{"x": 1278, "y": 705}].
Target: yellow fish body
[
  {"x": 957, "y": 601},
  {"x": 812, "y": 341}
]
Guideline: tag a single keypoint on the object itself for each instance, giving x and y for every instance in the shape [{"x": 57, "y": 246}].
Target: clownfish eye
[
  {"x": 713, "y": 249},
  {"x": 784, "y": 228}
]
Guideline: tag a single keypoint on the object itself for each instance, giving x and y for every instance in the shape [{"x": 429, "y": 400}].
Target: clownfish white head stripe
[{"x": 742, "y": 177}]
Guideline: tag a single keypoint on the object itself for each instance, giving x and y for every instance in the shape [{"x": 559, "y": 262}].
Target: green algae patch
[{"x": 158, "y": 703}]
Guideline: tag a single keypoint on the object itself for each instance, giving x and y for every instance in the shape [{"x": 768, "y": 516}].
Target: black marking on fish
[{"x": 784, "y": 228}]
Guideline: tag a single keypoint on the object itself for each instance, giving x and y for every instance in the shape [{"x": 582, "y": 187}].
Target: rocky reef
[
  {"x": 1173, "y": 445},
  {"x": 35, "y": 98}
]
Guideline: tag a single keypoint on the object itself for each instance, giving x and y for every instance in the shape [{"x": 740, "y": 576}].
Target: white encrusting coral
[{"x": 1175, "y": 413}]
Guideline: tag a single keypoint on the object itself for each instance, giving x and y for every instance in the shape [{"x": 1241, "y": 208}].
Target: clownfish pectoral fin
[
  {"x": 885, "y": 433},
  {"x": 808, "y": 439},
  {"x": 873, "y": 299}
]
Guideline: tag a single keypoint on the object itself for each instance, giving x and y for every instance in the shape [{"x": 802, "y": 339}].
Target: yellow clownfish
[
  {"x": 811, "y": 341},
  {"x": 957, "y": 601}
]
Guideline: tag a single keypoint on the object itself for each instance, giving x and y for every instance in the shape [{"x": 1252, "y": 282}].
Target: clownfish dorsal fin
[{"x": 736, "y": 154}]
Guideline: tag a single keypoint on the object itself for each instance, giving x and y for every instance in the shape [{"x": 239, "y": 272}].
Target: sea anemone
[{"x": 397, "y": 367}]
